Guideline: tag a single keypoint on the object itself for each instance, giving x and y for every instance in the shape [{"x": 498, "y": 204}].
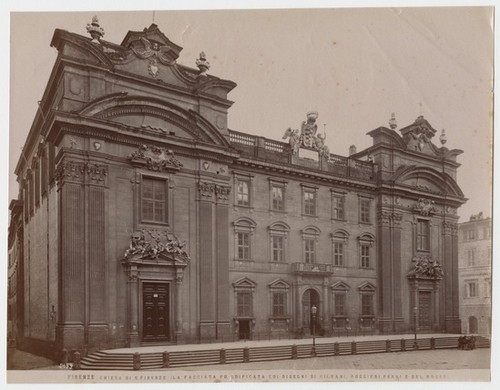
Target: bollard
[
  {"x": 387, "y": 345},
  {"x": 433, "y": 343},
  {"x": 294, "y": 351},
  {"x": 403, "y": 345},
  {"x": 222, "y": 356},
  {"x": 76, "y": 360},
  {"x": 353, "y": 348},
  {"x": 336, "y": 349},
  {"x": 64, "y": 356},
  {"x": 246, "y": 355},
  {"x": 166, "y": 359},
  {"x": 137, "y": 361}
]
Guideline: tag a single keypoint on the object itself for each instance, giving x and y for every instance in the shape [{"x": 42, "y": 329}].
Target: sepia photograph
[{"x": 249, "y": 195}]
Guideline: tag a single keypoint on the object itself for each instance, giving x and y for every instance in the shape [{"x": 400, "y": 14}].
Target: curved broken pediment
[
  {"x": 155, "y": 115},
  {"x": 427, "y": 179}
]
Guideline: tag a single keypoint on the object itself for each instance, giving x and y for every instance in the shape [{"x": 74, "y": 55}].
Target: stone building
[
  {"x": 474, "y": 257},
  {"x": 15, "y": 273},
  {"x": 147, "y": 219}
]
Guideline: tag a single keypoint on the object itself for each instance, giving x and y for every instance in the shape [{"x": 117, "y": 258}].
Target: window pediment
[
  {"x": 340, "y": 286},
  {"x": 279, "y": 284},
  {"x": 244, "y": 284},
  {"x": 367, "y": 287}
]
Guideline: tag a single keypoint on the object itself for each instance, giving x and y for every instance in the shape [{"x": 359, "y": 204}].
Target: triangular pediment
[
  {"x": 154, "y": 39},
  {"x": 340, "y": 286},
  {"x": 244, "y": 283},
  {"x": 367, "y": 287},
  {"x": 279, "y": 284},
  {"x": 418, "y": 136}
]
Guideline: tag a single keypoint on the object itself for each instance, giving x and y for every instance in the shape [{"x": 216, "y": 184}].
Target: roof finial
[
  {"x": 443, "y": 137},
  {"x": 393, "y": 123},
  {"x": 202, "y": 64},
  {"x": 95, "y": 31}
]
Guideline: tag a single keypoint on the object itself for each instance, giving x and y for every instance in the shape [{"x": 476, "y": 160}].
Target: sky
[{"x": 354, "y": 66}]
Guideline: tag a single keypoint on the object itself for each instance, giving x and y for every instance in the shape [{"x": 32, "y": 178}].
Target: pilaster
[
  {"x": 206, "y": 198},
  {"x": 222, "y": 249}
]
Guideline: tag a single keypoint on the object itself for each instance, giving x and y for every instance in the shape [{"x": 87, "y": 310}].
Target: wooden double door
[
  {"x": 425, "y": 317},
  {"x": 156, "y": 312}
]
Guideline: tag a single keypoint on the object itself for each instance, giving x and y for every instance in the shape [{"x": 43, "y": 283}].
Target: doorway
[
  {"x": 244, "y": 329},
  {"x": 156, "y": 309},
  {"x": 472, "y": 324},
  {"x": 310, "y": 299},
  {"x": 425, "y": 310}
]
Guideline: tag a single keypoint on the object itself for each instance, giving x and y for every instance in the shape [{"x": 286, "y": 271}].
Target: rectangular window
[
  {"x": 279, "y": 304},
  {"x": 365, "y": 256},
  {"x": 244, "y": 304},
  {"x": 471, "y": 257},
  {"x": 471, "y": 235},
  {"x": 486, "y": 233},
  {"x": 154, "y": 200},
  {"x": 309, "y": 203},
  {"x": 471, "y": 290},
  {"x": 364, "y": 210},
  {"x": 367, "y": 305},
  {"x": 243, "y": 193},
  {"x": 338, "y": 207},
  {"x": 423, "y": 235},
  {"x": 309, "y": 250},
  {"x": 338, "y": 254},
  {"x": 243, "y": 246},
  {"x": 277, "y": 248},
  {"x": 340, "y": 304},
  {"x": 278, "y": 201}
]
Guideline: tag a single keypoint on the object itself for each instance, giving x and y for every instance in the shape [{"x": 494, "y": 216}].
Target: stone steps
[{"x": 150, "y": 361}]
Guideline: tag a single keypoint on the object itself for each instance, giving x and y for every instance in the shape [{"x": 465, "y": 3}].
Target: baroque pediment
[
  {"x": 152, "y": 244},
  {"x": 424, "y": 267},
  {"x": 155, "y": 158}
]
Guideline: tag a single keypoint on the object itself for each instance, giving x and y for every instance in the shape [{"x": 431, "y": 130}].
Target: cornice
[{"x": 297, "y": 171}]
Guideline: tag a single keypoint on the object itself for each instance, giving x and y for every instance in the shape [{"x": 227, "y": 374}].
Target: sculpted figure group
[{"x": 307, "y": 137}]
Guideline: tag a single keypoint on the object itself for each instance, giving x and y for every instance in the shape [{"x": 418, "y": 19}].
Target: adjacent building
[
  {"x": 475, "y": 274},
  {"x": 145, "y": 219},
  {"x": 15, "y": 288}
]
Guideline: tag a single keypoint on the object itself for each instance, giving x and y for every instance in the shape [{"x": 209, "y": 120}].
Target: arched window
[
  {"x": 339, "y": 244},
  {"x": 243, "y": 238},
  {"x": 310, "y": 237},
  {"x": 278, "y": 241},
  {"x": 366, "y": 241}
]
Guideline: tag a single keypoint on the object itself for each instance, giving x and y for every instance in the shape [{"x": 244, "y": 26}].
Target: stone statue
[
  {"x": 294, "y": 139},
  {"x": 319, "y": 145},
  {"x": 309, "y": 129}
]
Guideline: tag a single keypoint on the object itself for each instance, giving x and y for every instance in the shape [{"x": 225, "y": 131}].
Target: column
[
  {"x": 222, "y": 260},
  {"x": 206, "y": 198},
  {"x": 450, "y": 257},
  {"x": 396, "y": 274},
  {"x": 179, "y": 334},
  {"x": 385, "y": 271},
  {"x": 96, "y": 188},
  {"x": 133, "y": 317},
  {"x": 71, "y": 281}
]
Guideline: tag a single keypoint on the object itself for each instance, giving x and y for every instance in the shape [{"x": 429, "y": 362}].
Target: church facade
[{"x": 145, "y": 219}]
